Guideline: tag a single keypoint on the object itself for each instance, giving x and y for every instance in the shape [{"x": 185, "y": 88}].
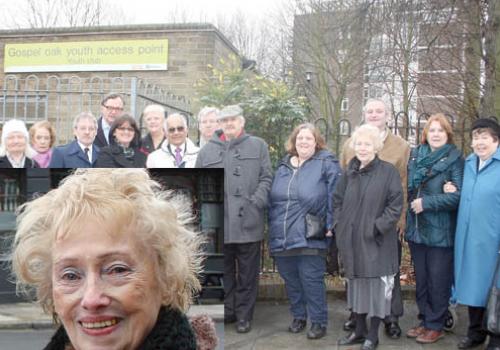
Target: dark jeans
[
  {"x": 434, "y": 278},
  {"x": 476, "y": 328},
  {"x": 305, "y": 286},
  {"x": 241, "y": 279}
]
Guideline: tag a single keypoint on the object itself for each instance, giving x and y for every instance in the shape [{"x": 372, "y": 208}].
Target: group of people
[
  {"x": 379, "y": 193},
  {"x": 112, "y": 141}
]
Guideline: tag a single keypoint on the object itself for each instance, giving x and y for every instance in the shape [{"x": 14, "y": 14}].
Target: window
[{"x": 345, "y": 105}]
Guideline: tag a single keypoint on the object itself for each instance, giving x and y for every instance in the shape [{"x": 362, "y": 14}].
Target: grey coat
[
  {"x": 247, "y": 181},
  {"x": 367, "y": 204}
]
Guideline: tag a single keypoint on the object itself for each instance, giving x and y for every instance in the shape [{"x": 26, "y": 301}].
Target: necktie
[
  {"x": 87, "y": 153},
  {"x": 178, "y": 157}
]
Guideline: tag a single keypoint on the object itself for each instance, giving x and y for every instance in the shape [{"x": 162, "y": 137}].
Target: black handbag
[
  {"x": 315, "y": 227},
  {"x": 492, "y": 317}
]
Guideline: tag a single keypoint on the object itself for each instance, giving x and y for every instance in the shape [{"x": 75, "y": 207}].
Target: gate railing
[{"x": 59, "y": 100}]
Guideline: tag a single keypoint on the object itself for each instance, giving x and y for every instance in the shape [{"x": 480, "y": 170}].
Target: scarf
[
  {"x": 128, "y": 152},
  {"x": 171, "y": 332},
  {"x": 43, "y": 159},
  {"x": 426, "y": 159}
]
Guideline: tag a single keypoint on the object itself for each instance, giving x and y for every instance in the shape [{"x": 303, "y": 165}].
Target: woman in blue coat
[
  {"x": 303, "y": 188},
  {"x": 477, "y": 238},
  {"x": 431, "y": 220}
]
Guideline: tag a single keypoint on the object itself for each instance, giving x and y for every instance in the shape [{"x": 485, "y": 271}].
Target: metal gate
[{"x": 59, "y": 100}]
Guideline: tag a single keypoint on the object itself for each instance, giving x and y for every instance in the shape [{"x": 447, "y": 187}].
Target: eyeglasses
[
  {"x": 122, "y": 128},
  {"x": 179, "y": 129},
  {"x": 111, "y": 108}
]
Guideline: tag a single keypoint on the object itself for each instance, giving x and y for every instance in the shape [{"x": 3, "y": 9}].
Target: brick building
[{"x": 58, "y": 96}]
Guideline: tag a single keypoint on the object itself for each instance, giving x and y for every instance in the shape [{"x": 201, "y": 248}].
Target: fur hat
[
  {"x": 486, "y": 123},
  {"x": 14, "y": 125}
]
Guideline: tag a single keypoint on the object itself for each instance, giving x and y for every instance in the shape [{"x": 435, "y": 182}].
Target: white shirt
[
  {"x": 105, "y": 129},
  {"x": 82, "y": 146},
  {"x": 174, "y": 147}
]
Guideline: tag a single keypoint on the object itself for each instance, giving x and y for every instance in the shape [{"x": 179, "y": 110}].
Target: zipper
[{"x": 287, "y": 206}]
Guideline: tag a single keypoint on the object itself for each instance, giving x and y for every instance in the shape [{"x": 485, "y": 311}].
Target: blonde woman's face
[
  {"x": 41, "y": 140},
  {"x": 104, "y": 288},
  {"x": 364, "y": 149},
  {"x": 154, "y": 121}
]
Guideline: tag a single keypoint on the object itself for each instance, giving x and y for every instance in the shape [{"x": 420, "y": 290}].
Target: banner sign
[{"x": 116, "y": 55}]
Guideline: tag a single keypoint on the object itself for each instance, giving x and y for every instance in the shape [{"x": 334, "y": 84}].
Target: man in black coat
[{"x": 111, "y": 108}]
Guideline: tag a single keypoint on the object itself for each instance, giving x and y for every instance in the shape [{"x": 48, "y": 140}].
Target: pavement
[
  {"x": 271, "y": 320},
  {"x": 30, "y": 316}
]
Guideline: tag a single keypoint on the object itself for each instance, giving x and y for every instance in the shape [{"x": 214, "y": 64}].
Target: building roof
[{"x": 118, "y": 29}]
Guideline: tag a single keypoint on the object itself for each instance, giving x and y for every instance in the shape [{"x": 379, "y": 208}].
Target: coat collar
[{"x": 472, "y": 160}]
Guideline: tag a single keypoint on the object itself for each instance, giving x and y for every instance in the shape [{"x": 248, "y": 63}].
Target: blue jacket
[
  {"x": 477, "y": 238},
  {"x": 297, "y": 192},
  {"x": 72, "y": 156},
  {"x": 435, "y": 226}
]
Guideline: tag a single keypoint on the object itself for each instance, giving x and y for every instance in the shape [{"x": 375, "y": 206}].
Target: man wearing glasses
[
  {"x": 111, "y": 108},
  {"x": 177, "y": 151}
]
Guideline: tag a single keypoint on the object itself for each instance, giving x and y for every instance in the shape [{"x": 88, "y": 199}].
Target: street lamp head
[{"x": 308, "y": 76}]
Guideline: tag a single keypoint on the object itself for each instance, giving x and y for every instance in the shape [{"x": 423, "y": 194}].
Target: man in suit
[
  {"x": 111, "y": 108},
  {"x": 177, "y": 151},
  {"x": 81, "y": 153}
]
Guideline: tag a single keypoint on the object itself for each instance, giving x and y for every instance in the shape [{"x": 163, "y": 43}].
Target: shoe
[
  {"x": 469, "y": 343},
  {"x": 369, "y": 345},
  {"x": 430, "y": 336},
  {"x": 393, "y": 330},
  {"x": 243, "y": 326},
  {"x": 297, "y": 326},
  {"x": 349, "y": 325},
  {"x": 415, "y": 331},
  {"x": 229, "y": 319},
  {"x": 351, "y": 339},
  {"x": 316, "y": 331}
]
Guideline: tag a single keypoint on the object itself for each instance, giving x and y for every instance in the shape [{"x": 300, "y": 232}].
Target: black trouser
[
  {"x": 434, "y": 277},
  {"x": 476, "y": 330},
  {"x": 241, "y": 278},
  {"x": 397, "y": 299}
]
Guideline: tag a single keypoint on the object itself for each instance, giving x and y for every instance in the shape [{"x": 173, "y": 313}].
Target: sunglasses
[
  {"x": 172, "y": 130},
  {"x": 126, "y": 129}
]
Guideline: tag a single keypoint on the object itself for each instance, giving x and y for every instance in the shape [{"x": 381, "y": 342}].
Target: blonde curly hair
[{"x": 132, "y": 199}]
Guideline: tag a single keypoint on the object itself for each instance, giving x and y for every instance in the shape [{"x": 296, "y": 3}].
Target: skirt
[{"x": 371, "y": 296}]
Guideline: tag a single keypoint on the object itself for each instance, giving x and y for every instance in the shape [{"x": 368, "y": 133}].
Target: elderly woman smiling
[
  {"x": 367, "y": 204},
  {"x": 103, "y": 263}
]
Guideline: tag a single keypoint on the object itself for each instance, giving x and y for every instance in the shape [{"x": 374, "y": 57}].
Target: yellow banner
[{"x": 116, "y": 55}]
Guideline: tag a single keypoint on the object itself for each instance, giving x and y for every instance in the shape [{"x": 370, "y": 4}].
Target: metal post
[{"x": 133, "y": 96}]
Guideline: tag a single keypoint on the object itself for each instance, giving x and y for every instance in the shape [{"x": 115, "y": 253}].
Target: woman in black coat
[
  {"x": 124, "y": 148},
  {"x": 368, "y": 201}
]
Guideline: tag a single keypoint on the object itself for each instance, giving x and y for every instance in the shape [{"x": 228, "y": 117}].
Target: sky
[
  {"x": 153, "y": 11},
  {"x": 162, "y": 11}
]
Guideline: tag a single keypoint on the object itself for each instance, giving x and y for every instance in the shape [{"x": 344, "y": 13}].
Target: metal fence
[
  {"x": 400, "y": 123},
  {"x": 58, "y": 100}
]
